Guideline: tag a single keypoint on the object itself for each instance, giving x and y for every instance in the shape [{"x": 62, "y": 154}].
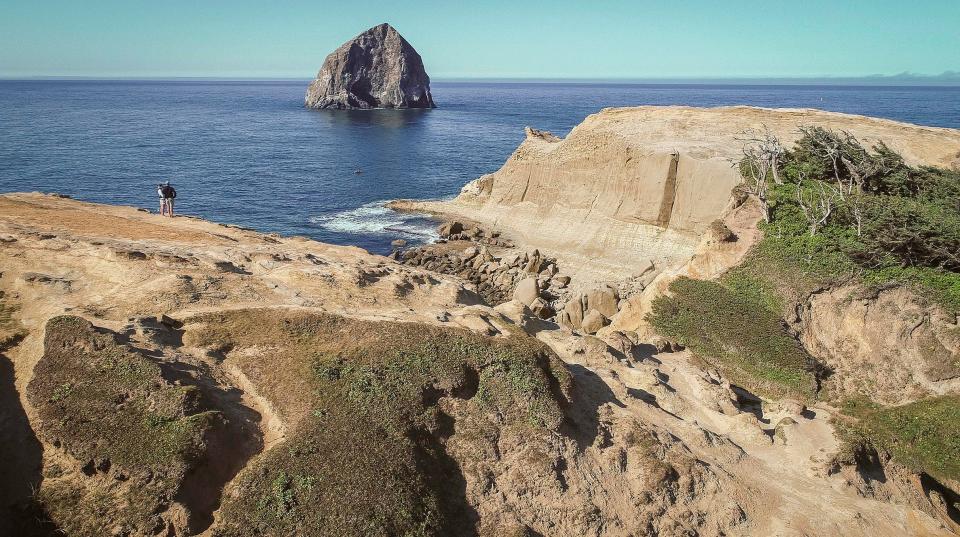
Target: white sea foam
[{"x": 376, "y": 219}]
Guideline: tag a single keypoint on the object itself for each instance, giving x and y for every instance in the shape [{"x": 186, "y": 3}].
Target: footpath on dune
[{"x": 179, "y": 377}]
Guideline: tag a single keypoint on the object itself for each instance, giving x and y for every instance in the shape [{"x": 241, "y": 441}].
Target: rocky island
[
  {"x": 624, "y": 332},
  {"x": 376, "y": 69}
]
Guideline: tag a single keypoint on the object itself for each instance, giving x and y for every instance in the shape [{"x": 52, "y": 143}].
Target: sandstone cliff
[
  {"x": 376, "y": 69},
  {"x": 633, "y": 184}
]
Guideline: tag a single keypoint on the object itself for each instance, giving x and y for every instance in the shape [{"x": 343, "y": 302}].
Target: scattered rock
[
  {"x": 719, "y": 232},
  {"x": 494, "y": 278},
  {"x": 541, "y": 308},
  {"x": 450, "y": 228}
]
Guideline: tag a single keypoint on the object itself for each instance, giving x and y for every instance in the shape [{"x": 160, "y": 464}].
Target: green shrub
[
  {"x": 739, "y": 334},
  {"x": 924, "y": 435},
  {"x": 887, "y": 222},
  {"x": 109, "y": 407}
]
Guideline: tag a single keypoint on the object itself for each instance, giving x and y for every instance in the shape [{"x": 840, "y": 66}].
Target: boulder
[
  {"x": 663, "y": 344},
  {"x": 619, "y": 342},
  {"x": 541, "y": 308},
  {"x": 784, "y": 430},
  {"x": 510, "y": 260},
  {"x": 527, "y": 291},
  {"x": 398, "y": 243},
  {"x": 603, "y": 299},
  {"x": 572, "y": 314},
  {"x": 450, "y": 229},
  {"x": 470, "y": 252},
  {"x": 517, "y": 313},
  {"x": 533, "y": 265},
  {"x": 549, "y": 270},
  {"x": 376, "y": 69},
  {"x": 593, "y": 321},
  {"x": 560, "y": 281}
]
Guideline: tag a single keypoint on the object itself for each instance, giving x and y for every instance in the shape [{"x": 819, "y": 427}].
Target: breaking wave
[{"x": 376, "y": 219}]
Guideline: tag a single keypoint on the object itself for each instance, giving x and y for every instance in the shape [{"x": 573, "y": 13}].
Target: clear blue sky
[{"x": 492, "y": 38}]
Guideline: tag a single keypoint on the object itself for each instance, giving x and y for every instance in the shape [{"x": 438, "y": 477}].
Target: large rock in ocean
[{"x": 376, "y": 69}]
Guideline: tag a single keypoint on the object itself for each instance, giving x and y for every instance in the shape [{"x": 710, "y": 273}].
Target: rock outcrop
[
  {"x": 631, "y": 184},
  {"x": 376, "y": 69},
  {"x": 848, "y": 327}
]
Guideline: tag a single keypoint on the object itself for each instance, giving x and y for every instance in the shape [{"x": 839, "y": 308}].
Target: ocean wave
[{"x": 376, "y": 219}]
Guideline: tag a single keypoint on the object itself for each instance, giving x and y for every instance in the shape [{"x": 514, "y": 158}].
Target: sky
[{"x": 599, "y": 39}]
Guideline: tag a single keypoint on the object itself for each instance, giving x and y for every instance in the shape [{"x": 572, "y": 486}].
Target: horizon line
[{"x": 901, "y": 80}]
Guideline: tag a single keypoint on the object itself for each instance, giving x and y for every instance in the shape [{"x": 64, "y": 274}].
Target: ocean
[{"x": 249, "y": 153}]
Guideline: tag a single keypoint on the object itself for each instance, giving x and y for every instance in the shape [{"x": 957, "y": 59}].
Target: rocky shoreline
[{"x": 500, "y": 272}]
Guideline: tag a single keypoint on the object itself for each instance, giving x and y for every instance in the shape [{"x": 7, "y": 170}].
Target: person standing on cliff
[{"x": 167, "y": 194}]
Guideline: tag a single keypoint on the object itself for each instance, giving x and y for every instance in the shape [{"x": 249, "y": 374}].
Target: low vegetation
[
  {"x": 110, "y": 409},
  {"x": 835, "y": 211},
  {"x": 366, "y": 454},
  {"x": 838, "y": 210},
  {"x": 924, "y": 435},
  {"x": 738, "y": 334}
]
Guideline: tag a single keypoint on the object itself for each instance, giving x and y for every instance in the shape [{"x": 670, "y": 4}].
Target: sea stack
[{"x": 376, "y": 69}]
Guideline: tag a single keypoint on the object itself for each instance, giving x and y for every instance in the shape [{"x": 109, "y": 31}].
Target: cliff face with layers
[{"x": 632, "y": 184}]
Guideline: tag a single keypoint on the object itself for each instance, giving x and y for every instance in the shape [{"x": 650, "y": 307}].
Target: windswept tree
[
  {"x": 817, "y": 200},
  {"x": 762, "y": 156}
]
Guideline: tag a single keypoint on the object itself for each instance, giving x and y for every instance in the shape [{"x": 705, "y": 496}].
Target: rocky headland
[
  {"x": 647, "y": 180},
  {"x": 536, "y": 372},
  {"x": 376, "y": 69}
]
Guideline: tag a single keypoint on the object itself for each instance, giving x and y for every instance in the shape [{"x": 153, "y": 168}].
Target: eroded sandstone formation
[
  {"x": 376, "y": 69},
  {"x": 632, "y": 184}
]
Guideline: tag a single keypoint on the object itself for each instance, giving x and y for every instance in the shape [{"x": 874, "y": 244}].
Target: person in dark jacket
[{"x": 167, "y": 194}]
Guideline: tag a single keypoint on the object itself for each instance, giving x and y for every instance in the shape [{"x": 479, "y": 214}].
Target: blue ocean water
[{"x": 249, "y": 153}]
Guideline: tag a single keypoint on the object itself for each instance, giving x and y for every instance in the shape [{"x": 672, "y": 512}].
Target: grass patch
[
  {"x": 109, "y": 408},
  {"x": 366, "y": 455},
  {"x": 924, "y": 436},
  {"x": 736, "y": 332}
]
